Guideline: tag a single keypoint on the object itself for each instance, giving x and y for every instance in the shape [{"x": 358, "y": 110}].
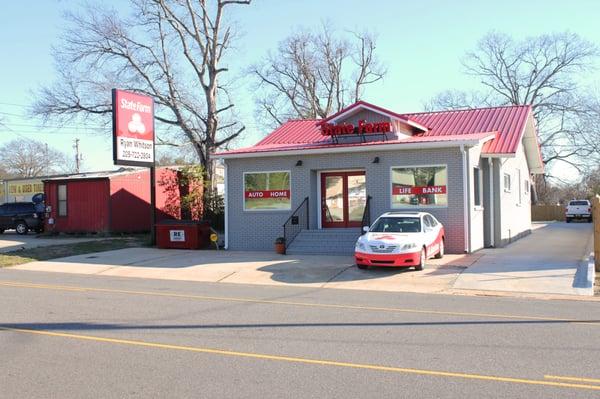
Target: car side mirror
[{"x": 365, "y": 229}]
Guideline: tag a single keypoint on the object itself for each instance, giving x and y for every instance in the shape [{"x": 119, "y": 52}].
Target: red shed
[{"x": 115, "y": 201}]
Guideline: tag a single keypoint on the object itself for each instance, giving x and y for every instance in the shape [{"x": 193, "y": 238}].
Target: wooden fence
[
  {"x": 596, "y": 216},
  {"x": 542, "y": 213}
]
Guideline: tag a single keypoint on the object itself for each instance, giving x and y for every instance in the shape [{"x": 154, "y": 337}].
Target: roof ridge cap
[{"x": 469, "y": 109}]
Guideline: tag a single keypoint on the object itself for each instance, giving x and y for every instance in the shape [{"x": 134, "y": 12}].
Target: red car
[{"x": 400, "y": 239}]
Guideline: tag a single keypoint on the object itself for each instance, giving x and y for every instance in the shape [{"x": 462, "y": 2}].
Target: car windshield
[
  {"x": 574, "y": 203},
  {"x": 397, "y": 225}
]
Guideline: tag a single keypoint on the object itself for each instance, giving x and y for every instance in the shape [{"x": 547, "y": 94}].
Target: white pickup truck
[{"x": 578, "y": 209}]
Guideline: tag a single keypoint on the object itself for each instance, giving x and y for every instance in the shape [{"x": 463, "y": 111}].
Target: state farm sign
[
  {"x": 133, "y": 129},
  {"x": 363, "y": 127}
]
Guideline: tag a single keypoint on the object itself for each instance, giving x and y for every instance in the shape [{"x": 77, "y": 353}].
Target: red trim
[
  {"x": 395, "y": 260},
  {"x": 346, "y": 222}
]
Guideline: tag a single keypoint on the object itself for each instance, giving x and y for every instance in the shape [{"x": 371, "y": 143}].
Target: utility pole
[{"x": 77, "y": 156}]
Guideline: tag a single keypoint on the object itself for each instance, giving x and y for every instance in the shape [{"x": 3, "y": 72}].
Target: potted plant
[{"x": 280, "y": 245}]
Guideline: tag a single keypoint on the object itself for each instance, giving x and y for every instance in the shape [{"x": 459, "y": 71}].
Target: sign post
[
  {"x": 596, "y": 220},
  {"x": 133, "y": 138}
]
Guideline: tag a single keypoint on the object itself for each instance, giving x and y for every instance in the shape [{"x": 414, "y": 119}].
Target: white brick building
[{"x": 469, "y": 168}]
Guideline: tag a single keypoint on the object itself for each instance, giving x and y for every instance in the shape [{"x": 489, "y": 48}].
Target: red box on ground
[{"x": 182, "y": 234}]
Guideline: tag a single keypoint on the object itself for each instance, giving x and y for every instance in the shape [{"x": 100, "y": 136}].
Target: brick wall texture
[{"x": 256, "y": 230}]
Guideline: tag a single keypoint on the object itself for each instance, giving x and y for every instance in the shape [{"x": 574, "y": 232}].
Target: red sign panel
[
  {"x": 268, "y": 194},
  {"x": 328, "y": 129},
  {"x": 133, "y": 129},
  {"x": 407, "y": 190}
]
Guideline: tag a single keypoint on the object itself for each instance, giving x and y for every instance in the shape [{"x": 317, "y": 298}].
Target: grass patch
[{"x": 59, "y": 251}]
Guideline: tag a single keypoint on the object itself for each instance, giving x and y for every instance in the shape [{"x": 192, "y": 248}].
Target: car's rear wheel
[
  {"x": 440, "y": 253},
  {"x": 21, "y": 228},
  {"x": 362, "y": 267},
  {"x": 590, "y": 220},
  {"x": 423, "y": 259}
]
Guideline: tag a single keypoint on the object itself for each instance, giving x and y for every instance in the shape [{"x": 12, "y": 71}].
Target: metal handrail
[
  {"x": 289, "y": 233},
  {"x": 366, "y": 219}
]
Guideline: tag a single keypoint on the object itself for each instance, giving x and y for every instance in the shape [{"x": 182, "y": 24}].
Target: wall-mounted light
[
  {"x": 299, "y": 162},
  {"x": 376, "y": 160}
]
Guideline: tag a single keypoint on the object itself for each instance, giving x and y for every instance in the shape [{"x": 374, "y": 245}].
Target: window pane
[
  {"x": 419, "y": 186},
  {"x": 62, "y": 208},
  {"x": 62, "y": 192},
  {"x": 267, "y": 191},
  {"x": 477, "y": 186}
]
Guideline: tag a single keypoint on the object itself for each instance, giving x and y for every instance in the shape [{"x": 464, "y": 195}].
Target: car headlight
[
  {"x": 408, "y": 246},
  {"x": 360, "y": 246}
]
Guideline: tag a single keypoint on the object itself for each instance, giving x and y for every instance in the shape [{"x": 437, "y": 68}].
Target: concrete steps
[{"x": 324, "y": 242}]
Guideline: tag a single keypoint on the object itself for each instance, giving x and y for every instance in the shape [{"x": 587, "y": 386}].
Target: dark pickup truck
[{"x": 21, "y": 216}]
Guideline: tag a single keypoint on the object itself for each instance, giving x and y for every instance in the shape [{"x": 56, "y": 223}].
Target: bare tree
[
  {"x": 171, "y": 50},
  {"x": 543, "y": 72},
  {"x": 31, "y": 158},
  {"x": 312, "y": 75}
]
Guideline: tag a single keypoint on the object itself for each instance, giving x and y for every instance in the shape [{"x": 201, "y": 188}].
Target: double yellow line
[
  {"x": 548, "y": 381},
  {"x": 299, "y": 360}
]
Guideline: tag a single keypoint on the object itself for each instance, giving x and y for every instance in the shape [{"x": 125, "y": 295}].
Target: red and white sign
[
  {"x": 423, "y": 190},
  {"x": 133, "y": 129},
  {"x": 364, "y": 127},
  {"x": 268, "y": 194}
]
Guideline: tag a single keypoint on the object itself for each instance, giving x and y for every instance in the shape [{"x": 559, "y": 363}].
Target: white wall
[
  {"x": 516, "y": 212},
  {"x": 476, "y": 212}
]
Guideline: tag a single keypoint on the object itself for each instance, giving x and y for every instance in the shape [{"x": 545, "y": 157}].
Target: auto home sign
[{"x": 133, "y": 129}]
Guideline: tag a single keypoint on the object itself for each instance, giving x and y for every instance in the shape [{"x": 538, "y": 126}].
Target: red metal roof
[{"x": 508, "y": 123}]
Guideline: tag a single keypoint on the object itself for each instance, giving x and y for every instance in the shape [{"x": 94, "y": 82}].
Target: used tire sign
[{"x": 133, "y": 129}]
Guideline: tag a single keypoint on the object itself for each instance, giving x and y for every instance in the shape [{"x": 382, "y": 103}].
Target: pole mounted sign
[{"x": 133, "y": 129}]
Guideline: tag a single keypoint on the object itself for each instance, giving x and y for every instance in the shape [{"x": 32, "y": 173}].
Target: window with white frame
[
  {"x": 267, "y": 191},
  {"x": 477, "y": 186},
  {"x": 419, "y": 186},
  {"x": 507, "y": 187},
  {"x": 62, "y": 200},
  {"x": 519, "y": 186}
]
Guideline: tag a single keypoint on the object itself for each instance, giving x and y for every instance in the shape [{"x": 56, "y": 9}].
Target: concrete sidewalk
[
  {"x": 551, "y": 260},
  {"x": 258, "y": 268}
]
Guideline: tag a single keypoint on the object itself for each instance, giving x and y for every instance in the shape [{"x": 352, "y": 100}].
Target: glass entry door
[{"x": 343, "y": 198}]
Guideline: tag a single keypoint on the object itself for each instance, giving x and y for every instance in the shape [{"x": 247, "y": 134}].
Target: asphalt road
[{"x": 74, "y": 336}]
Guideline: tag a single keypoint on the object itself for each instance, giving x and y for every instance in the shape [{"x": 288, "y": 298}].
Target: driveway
[
  {"x": 551, "y": 260},
  {"x": 11, "y": 241},
  {"x": 265, "y": 268}
]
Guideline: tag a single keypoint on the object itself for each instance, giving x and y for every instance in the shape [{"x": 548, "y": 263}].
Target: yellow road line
[
  {"x": 558, "y": 377},
  {"x": 17, "y": 284},
  {"x": 300, "y": 360}
]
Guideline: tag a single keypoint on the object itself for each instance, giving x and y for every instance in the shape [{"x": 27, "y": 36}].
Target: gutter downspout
[
  {"x": 466, "y": 198},
  {"x": 226, "y": 204},
  {"x": 492, "y": 205}
]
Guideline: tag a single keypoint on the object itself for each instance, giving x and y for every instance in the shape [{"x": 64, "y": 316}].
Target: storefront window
[
  {"x": 419, "y": 186},
  {"x": 267, "y": 191}
]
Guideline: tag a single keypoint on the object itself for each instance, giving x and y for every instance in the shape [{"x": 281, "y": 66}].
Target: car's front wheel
[
  {"x": 423, "y": 259},
  {"x": 21, "y": 228}
]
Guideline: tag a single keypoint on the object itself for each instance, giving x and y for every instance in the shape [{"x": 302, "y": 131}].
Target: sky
[{"x": 420, "y": 42}]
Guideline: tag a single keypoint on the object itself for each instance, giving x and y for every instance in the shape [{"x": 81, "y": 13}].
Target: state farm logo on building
[{"x": 133, "y": 128}]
